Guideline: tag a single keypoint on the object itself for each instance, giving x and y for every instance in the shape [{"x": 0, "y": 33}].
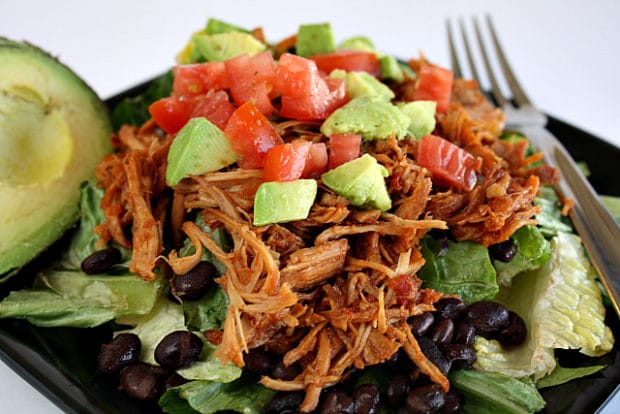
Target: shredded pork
[{"x": 333, "y": 291}]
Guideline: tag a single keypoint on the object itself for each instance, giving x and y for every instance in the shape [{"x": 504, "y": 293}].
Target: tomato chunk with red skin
[
  {"x": 215, "y": 106},
  {"x": 305, "y": 94},
  {"x": 434, "y": 83},
  {"x": 343, "y": 148},
  {"x": 251, "y": 135},
  {"x": 286, "y": 162},
  {"x": 252, "y": 79},
  {"x": 448, "y": 163},
  {"x": 316, "y": 163},
  {"x": 349, "y": 60},
  {"x": 171, "y": 113},
  {"x": 198, "y": 78}
]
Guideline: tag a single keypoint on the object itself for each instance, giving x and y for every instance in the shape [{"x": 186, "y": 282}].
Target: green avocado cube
[
  {"x": 283, "y": 201},
  {"x": 199, "y": 147},
  {"x": 363, "y": 84},
  {"x": 215, "y": 26},
  {"x": 313, "y": 39},
  {"x": 362, "y": 182},
  {"x": 391, "y": 69},
  {"x": 371, "y": 117},
  {"x": 361, "y": 43},
  {"x": 422, "y": 117},
  {"x": 223, "y": 46}
]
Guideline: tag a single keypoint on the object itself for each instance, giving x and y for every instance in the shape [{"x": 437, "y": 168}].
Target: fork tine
[
  {"x": 497, "y": 93},
  {"x": 454, "y": 59},
  {"x": 470, "y": 56},
  {"x": 518, "y": 94}
]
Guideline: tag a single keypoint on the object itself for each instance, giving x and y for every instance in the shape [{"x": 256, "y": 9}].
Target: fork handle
[{"x": 595, "y": 225}]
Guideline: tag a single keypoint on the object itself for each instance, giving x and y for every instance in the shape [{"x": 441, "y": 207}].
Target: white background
[{"x": 566, "y": 53}]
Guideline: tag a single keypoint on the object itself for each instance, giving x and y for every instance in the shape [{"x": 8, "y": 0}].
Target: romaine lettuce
[
  {"x": 532, "y": 252},
  {"x": 562, "y": 308},
  {"x": 462, "y": 268}
]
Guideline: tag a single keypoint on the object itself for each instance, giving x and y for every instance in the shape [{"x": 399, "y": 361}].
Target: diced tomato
[
  {"x": 448, "y": 163},
  {"x": 306, "y": 95},
  {"x": 316, "y": 163},
  {"x": 434, "y": 83},
  {"x": 349, "y": 60},
  {"x": 286, "y": 162},
  {"x": 251, "y": 79},
  {"x": 171, "y": 113},
  {"x": 198, "y": 78},
  {"x": 215, "y": 106},
  {"x": 343, "y": 148},
  {"x": 251, "y": 135}
]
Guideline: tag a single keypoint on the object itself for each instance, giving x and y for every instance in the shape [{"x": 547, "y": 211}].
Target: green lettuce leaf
[
  {"x": 167, "y": 317},
  {"x": 613, "y": 205},
  {"x": 486, "y": 392},
  {"x": 84, "y": 240},
  {"x": 561, "y": 375},
  {"x": 462, "y": 268},
  {"x": 208, "y": 397},
  {"x": 533, "y": 251},
  {"x": 208, "y": 312},
  {"x": 562, "y": 308},
  {"x": 72, "y": 298},
  {"x": 550, "y": 219}
]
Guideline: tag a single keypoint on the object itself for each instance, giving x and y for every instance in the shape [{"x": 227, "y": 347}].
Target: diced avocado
[
  {"x": 54, "y": 130},
  {"x": 313, "y": 39},
  {"x": 371, "y": 117},
  {"x": 198, "y": 148},
  {"x": 215, "y": 26},
  {"x": 283, "y": 201},
  {"x": 223, "y": 46},
  {"x": 422, "y": 117},
  {"x": 363, "y": 84},
  {"x": 362, "y": 182},
  {"x": 361, "y": 43},
  {"x": 391, "y": 69}
]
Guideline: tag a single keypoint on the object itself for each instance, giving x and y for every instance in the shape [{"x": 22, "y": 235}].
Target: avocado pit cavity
[{"x": 35, "y": 140}]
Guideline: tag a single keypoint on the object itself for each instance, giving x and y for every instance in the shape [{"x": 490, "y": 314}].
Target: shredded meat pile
[{"x": 333, "y": 291}]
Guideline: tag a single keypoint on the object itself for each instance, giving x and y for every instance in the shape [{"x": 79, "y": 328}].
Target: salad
[{"x": 313, "y": 226}]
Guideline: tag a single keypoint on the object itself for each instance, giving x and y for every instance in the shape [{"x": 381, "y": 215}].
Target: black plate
[{"x": 60, "y": 362}]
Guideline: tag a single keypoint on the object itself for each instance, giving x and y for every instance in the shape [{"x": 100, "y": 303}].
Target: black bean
[
  {"x": 421, "y": 324},
  {"x": 504, "y": 251},
  {"x": 100, "y": 261},
  {"x": 258, "y": 361},
  {"x": 142, "y": 382},
  {"x": 450, "y": 308},
  {"x": 515, "y": 333},
  {"x": 487, "y": 317},
  {"x": 122, "y": 351},
  {"x": 400, "y": 362},
  {"x": 461, "y": 356},
  {"x": 366, "y": 399},
  {"x": 434, "y": 354},
  {"x": 425, "y": 399},
  {"x": 397, "y": 388},
  {"x": 285, "y": 402},
  {"x": 336, "y": 401},
  {"x": 281, "y": 371},
  {"x": 453, "y": 403},
  {"x": 195, "y": 283},
  {"x": 464, "y": 333},
  {"x": 443, "y": 331},
  {"x": 174, "y": 380},
  {"x": 178, "y": 349}
]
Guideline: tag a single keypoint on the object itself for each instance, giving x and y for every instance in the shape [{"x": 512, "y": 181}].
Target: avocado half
[{"x": 54, "y": 130}]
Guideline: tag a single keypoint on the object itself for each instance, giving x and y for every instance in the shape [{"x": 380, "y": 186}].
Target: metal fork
[{"x": 598, "y": 230}]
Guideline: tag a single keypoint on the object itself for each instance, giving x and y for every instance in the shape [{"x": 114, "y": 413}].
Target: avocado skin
[{"x": 33, "y": 216}]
